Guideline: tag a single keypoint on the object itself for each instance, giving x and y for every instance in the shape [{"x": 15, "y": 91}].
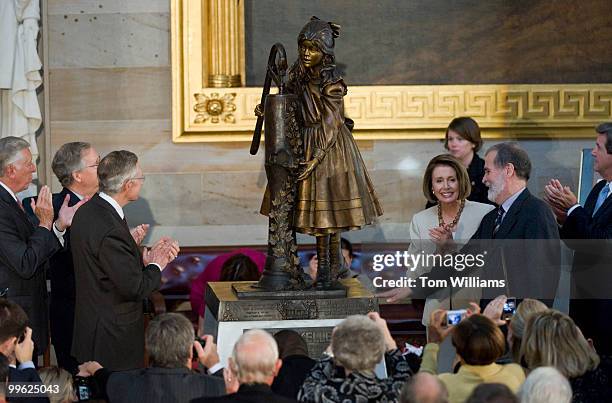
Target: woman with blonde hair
[
  {"x": 57, "y": 377},
  {"x": 516, "y": 327},
  {"x": 552, "y": 339}
]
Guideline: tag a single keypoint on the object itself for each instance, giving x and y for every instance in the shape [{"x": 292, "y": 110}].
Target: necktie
[
  {"x": 601, "y": 198},
  {"x": 498, "y": 219}
]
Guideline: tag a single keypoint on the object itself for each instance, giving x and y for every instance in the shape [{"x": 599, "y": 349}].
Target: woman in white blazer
[{"x": 449, "y": 224}]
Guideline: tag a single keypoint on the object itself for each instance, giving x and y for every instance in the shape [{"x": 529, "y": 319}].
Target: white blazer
[{"x": 420, "y": 241}]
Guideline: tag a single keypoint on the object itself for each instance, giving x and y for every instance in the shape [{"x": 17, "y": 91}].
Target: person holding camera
[
  {"x": 17, "y": 346},
  {"x": 345, "y": 373},
  {"x": 170, "y": 341},
  {"x": 479, "y": 343}
]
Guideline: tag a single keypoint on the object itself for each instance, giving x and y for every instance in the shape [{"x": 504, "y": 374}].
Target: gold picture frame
[{"x": 210, "y": 102}]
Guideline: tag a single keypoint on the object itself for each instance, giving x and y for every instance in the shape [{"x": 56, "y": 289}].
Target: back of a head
[
  {"x": 358, "y": 343},
  {"x": 524, "y": 310},
  {"x": 492, "y": 393},
  {"x": 169, "y": 340},
  {"x": 552, "y": 339},
  {"x": 4, "y": 374},
  {"x": 114, "y": 169},
  {"x": 424, "y": 388},
  {"x": 545, "y": 385},
  {"x": 290, "y": 343},
  {"x": 60, "y": 378},
  {"x": 254, "y": 357},
  {"x": 67, "y": 160},
  {"x": 239, "y": 268},
  {"x": 478, "y": 340},
  {"x": 13, "y": 320}
]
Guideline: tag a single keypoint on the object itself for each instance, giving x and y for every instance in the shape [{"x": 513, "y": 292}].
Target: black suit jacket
[
  {"x": 154, "y": 384},
  {"x": 525, "y": 251},
  {"x": 61, "y": 308},
  {"x": 111, "y": 284},
  {"x": 25, "y": 249},
  {"x": 292, "y": 374},
  {"x": 258, "y": 393},
  {"x": 591, "y": 239}
]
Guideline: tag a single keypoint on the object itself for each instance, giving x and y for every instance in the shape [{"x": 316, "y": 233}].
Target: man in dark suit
[
  {"x": 170, "y": 343},
  {"x": 26, "y": 246},
  {"x": 588, "y": 231},
  {"x": 75, "y": 166},
  {"x": 252, "y": 368},
  {"x": 520, "y": 236},
  {"x": 112, "y": 277}
]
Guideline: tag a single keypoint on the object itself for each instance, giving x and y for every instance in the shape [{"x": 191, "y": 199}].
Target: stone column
[{"x": 226, "y": 38}]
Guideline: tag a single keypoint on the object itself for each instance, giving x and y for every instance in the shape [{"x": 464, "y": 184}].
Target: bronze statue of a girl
[{"x": 335, "y": 193}]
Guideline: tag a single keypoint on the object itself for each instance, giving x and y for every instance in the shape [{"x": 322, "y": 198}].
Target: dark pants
[{"x": 61, "y": 314}]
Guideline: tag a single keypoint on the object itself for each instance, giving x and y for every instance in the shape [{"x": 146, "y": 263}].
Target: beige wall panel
[
  {"x": 233, "y": 197},
  {"x": 62, "y": 7},
  {"x": 110, "y": 93},
  {"x": 151, "y": 140},
  {"x": 109, "y": 40},
  {"x": 168, "y": 199}
]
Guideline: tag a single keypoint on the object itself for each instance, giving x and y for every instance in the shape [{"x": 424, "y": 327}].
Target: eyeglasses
[{"x": 140, "y": 177}]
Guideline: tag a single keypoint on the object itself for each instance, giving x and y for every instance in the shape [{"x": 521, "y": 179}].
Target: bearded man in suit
[
  {"x": 27, "y": 243},
  {"x": 588, "y": 231},
  {"x": 112, "y": 276}
]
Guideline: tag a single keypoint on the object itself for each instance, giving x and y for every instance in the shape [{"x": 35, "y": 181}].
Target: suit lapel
[
  {"x": 512, "y": 215},
  {"x": 606, "y": 204},
  {"x": 589, "y": 205},
  {"x": 12, "y": 203}
]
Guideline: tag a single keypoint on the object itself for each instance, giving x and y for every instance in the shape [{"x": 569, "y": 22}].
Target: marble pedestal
[{"x": 227, "y": 317}]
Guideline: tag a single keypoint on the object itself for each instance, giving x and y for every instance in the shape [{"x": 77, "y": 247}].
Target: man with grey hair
[
  {"x": 112, "y": 276},
  {"x": 170, "y": 344},
  {"x": 26, "y": 245},
  {"x": 545, "y": 385},
  {"x": 75, "y": 165},
  {"x": 424, "y": 388},
  {"x": 252, "y": 368}
]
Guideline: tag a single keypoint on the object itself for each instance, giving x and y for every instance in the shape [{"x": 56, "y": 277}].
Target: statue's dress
[{"x": 338, "y": 195}]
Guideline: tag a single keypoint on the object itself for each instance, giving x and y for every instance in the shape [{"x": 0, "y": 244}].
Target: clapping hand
[
  {"x": 43, "y": 207},
  {"x": 441, "y": 236},
  {"x": 66, "y": 213},
  {"x": 163, "y": 252},
  {"x": 139, "y": 233}
]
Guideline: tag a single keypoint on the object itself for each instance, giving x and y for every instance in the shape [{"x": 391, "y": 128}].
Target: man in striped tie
[{"x": 588, "y": 231}]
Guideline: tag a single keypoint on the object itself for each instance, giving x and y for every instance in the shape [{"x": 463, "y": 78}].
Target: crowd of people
[{"x": 100, "y": 272}]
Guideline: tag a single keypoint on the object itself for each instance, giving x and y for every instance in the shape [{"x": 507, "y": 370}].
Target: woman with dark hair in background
[{"x": 462, "y": 140}]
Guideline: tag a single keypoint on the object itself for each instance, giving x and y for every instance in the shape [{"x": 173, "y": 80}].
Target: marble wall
[{"x": 110, "y": 84}]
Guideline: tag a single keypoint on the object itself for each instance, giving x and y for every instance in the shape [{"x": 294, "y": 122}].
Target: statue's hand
[
  {"x": 259, "y": 111},
  {"x": 309, "y": 166}
]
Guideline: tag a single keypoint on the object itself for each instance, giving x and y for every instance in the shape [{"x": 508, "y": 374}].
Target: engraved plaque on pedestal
[{"x": 227, "y": 316}]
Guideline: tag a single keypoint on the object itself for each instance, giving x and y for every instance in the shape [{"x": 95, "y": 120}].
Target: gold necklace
[{"x": 450, "y": 226}]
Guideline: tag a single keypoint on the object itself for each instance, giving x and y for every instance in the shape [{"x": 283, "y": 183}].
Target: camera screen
[
  {"x": 84, "y": 393},
  {"x": 510, "y": 306},
  {"x": 454, "y": 318}
]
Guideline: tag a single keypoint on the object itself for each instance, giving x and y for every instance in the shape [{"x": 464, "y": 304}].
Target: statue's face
[{"x": 310, "y": 54}]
